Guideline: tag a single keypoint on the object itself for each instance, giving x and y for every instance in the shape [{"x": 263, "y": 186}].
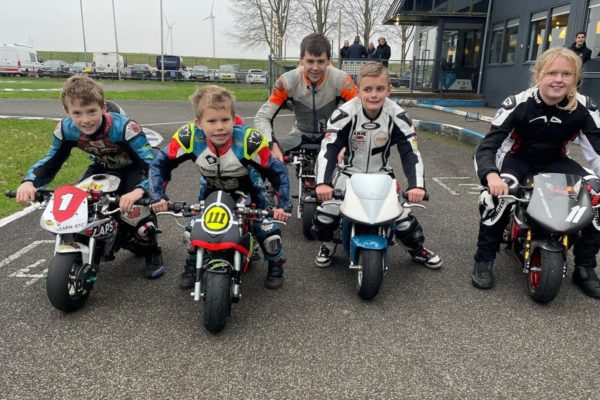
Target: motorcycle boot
[
  {"x": 482, "y": 276},
  {"x": 188, "y": 276},
  {"x": 275, "y": 274},
  {"x": 587, "y": 280},
  {"x": 155, "y": 267}
]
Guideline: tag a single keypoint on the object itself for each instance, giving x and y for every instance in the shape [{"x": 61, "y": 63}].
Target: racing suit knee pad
[
  {"x": 272, "y": 247},
  {"x": 410, "y": 232},
  {"x": 326, "y": 221}
]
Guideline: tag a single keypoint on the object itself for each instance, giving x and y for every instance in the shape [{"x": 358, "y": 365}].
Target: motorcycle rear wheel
[
  {"x": 369, "y": 278},
  {"x": 308, "y": 212},
  {"x": 64, "y": 292},
  {"x": 544, "y": 285},
  {"x": 217, "y": 306}
]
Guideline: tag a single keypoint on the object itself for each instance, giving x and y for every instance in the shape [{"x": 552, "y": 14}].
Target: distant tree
[
  {"x": 365, "y": 16},
  {"x": 262, "y": 22},
  {"x": 406, "y": 33},
  {"x": 317, "y": 15}
]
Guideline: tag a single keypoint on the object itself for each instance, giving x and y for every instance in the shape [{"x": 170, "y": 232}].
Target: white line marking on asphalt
[
  {"x": 24, "y": 273},
  {"x": 439, "y": 180},
  {"x": 17, "y": 215},
  {"x": 24, "y": 250}
]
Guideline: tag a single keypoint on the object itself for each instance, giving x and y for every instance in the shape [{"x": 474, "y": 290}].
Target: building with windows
[{"x": 489, "y": 46}]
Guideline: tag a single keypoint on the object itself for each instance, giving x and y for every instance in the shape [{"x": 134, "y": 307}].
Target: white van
[
  {"x": 18, "y": 59},
  {"x": 107, "y": 63}
]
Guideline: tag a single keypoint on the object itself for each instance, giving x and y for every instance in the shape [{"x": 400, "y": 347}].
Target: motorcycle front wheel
[
  {"x": 217, "y": 306},
  {"x": 369, "y": 278},
  {"x": 545, "y": 275},
  {"x": 67, "y": 289},
  {"x": 308, "y": 212}
]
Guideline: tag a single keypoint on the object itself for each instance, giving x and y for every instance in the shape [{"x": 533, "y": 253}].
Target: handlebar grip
[
  {"x": 177, "y": 207},
  {"x": 11, "y": 193},
  {"x": 338, "y": 194},
  {"x": 145, "y": 202},
  {"x": 404, "y": 195},
  {"x": 40, "y": 194}
]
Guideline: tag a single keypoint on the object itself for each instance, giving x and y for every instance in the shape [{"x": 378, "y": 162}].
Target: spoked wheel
[
  {"x": 217, "y": 306},
  {"x": 308, "y": 212},
  {"x": 69, "y": 283},
  {"x": 369, "y": 278},
  {"x": 545, "y": 275}
]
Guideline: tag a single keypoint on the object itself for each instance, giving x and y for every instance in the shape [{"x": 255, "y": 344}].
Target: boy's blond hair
[
  {"x": 373, "y": 69},
  {"x": 84, "y": 89},
  {"x": 546, "y": 59},
  {"x": 212, "y": 96}
]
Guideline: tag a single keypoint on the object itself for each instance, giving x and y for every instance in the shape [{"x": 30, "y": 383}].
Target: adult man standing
[
  {"x": 580, "y": 48},
  {"x": 344, "y": 50},
  {"x": 384, "y": 52},
  {"x": 357, "y": 50}
]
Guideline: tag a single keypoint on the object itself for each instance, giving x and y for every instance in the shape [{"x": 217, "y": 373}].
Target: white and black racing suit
[
  {"x": 527, "y": 136},
  {"x": 368, "y": 143}
]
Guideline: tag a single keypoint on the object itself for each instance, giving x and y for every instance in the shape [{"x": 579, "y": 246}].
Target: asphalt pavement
[{"x": 427, "y": 335}]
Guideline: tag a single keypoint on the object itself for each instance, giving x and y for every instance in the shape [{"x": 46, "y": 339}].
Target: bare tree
[
  {"x": 365, "y": 16},
  {"x": 262, "y": 22},
  {"x": 317, "y": 15},
  {"x": 406, "y": 33}
]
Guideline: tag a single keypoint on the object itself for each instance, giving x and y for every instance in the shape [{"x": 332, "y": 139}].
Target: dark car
[
  {"x": 200, "y": 73},
  {"x": 54, "y": 68},
  {"x": 141, "y": 71},
  {"x": 397, "y": 81},
  {"x": 173, "y": 66}
]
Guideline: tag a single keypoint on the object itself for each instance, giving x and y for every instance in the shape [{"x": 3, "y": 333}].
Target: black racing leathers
[{"x": 527, "y": 136}]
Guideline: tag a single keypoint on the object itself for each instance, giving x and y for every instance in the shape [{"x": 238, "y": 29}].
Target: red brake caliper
[{"x": 536, "y": 262}]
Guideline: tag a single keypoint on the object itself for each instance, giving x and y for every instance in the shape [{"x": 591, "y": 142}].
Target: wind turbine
[
  {"x": 170, "y": 32},
  {"x": 212, "y": 25}
]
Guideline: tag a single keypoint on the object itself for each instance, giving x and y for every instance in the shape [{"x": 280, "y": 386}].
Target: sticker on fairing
[{"x": 216, "y": 218}]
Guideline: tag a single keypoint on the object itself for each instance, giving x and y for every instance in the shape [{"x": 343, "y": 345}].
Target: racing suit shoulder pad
[{"x": 185, "y": 136}]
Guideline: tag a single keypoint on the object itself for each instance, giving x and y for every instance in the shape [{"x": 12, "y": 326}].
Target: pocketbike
[
  {"x": 545, "y": 221},
  {"x": 84, "y": 219},
  {"x": 304, "y": 157},
  {"x": 368, "y": 211},
  {"x": 221, "y": 239}
]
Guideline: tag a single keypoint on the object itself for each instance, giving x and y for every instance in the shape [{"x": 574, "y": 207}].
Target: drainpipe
[{"x": 485, "y": 34}]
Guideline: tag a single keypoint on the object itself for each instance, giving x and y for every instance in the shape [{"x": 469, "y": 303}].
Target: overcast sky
[{"x": 55, "y": 25}]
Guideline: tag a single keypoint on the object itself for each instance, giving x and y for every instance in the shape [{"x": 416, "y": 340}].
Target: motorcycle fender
[
  {"x": 368, "y": 242},
  {"x": 549, "y": 245},
  {"x": 64, "y": 248}
]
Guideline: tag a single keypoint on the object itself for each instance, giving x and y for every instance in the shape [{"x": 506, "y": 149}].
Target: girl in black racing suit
[{"x": 529, "y": 134}]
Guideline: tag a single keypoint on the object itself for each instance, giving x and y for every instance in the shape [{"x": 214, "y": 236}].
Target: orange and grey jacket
[{"x": 313, "y": 103}]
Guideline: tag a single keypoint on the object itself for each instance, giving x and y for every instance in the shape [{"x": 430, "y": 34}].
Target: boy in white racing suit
[{"x": 367, "y": 126}]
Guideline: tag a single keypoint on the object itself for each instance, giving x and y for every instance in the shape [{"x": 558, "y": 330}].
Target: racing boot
[
  {"x": 587, "y": 280},
  {"x": 482, "y": 276},
  {"x": 155, "y": 267},
  {"x": 275, "y": 274},
  {"x": 188, "y": 276}
]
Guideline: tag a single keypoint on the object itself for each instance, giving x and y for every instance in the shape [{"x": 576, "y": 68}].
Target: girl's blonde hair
[
  {"x": 212, "y": 96},
  {"x": 546, "y": 59}
]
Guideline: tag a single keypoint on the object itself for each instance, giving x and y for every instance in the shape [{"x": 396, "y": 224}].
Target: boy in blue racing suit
[
  {"x": 231, "y": 158},
  {"x": 117, "y": 145}
]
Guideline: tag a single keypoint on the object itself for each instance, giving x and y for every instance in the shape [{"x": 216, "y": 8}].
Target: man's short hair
[
  {"x": 584, "y": 33},
  {"x": 84, "y": 89},
  {"x": 315, "y": 44},
  {"x": 374, "y": 69},
  {"x": 212, "y": 96}
]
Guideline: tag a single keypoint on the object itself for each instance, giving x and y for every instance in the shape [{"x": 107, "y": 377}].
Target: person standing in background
[
  {"x": 580, "y": 48},
  {"x": 371, "y": 50},
  {"x": 384, "y": 52},
  {"x": 357, "y": 50}
]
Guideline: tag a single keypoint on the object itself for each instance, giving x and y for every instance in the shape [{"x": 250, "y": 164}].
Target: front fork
[
  {"x": 236, "y": 274},
  {"x": 527, "y": 251}
]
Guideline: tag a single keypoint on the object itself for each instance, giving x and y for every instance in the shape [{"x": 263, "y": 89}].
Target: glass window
[
  {"x": 558, "y": 31},
  {"x": 510, "y": 42},
  {"x": 441, "y": 5},
  {"x": 480, "y": 6},
  {"x": 537, "y": 32},
  {"x": 423, "y": 5},
  {"x": 592, "y": 38},
  {"x": 497, "y": 39}
]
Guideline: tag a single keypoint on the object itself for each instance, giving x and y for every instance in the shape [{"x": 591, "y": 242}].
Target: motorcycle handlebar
[{"x": 40, "y": 194}]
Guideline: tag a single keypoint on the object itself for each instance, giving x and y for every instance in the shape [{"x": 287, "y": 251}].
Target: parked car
[
  {"x": 174, "y": 66},
  {"x": 256, "y": 76},
  {"x": 397, "y": 81},
  {"x": 18, "y": 59},
  {"x": 141, "y": 71},
  {"x": 107, "y": 64},
  {"x": 54, "y": 68},
  {"x": 227, "y": 73},
  {"x": 200, "y": 73},
  {"x": 81, "y": 67}
]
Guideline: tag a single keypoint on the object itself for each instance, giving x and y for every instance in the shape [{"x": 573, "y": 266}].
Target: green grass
[
  {"x": 22, "y": 143},
  {"x": 136, "y": 90}
]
